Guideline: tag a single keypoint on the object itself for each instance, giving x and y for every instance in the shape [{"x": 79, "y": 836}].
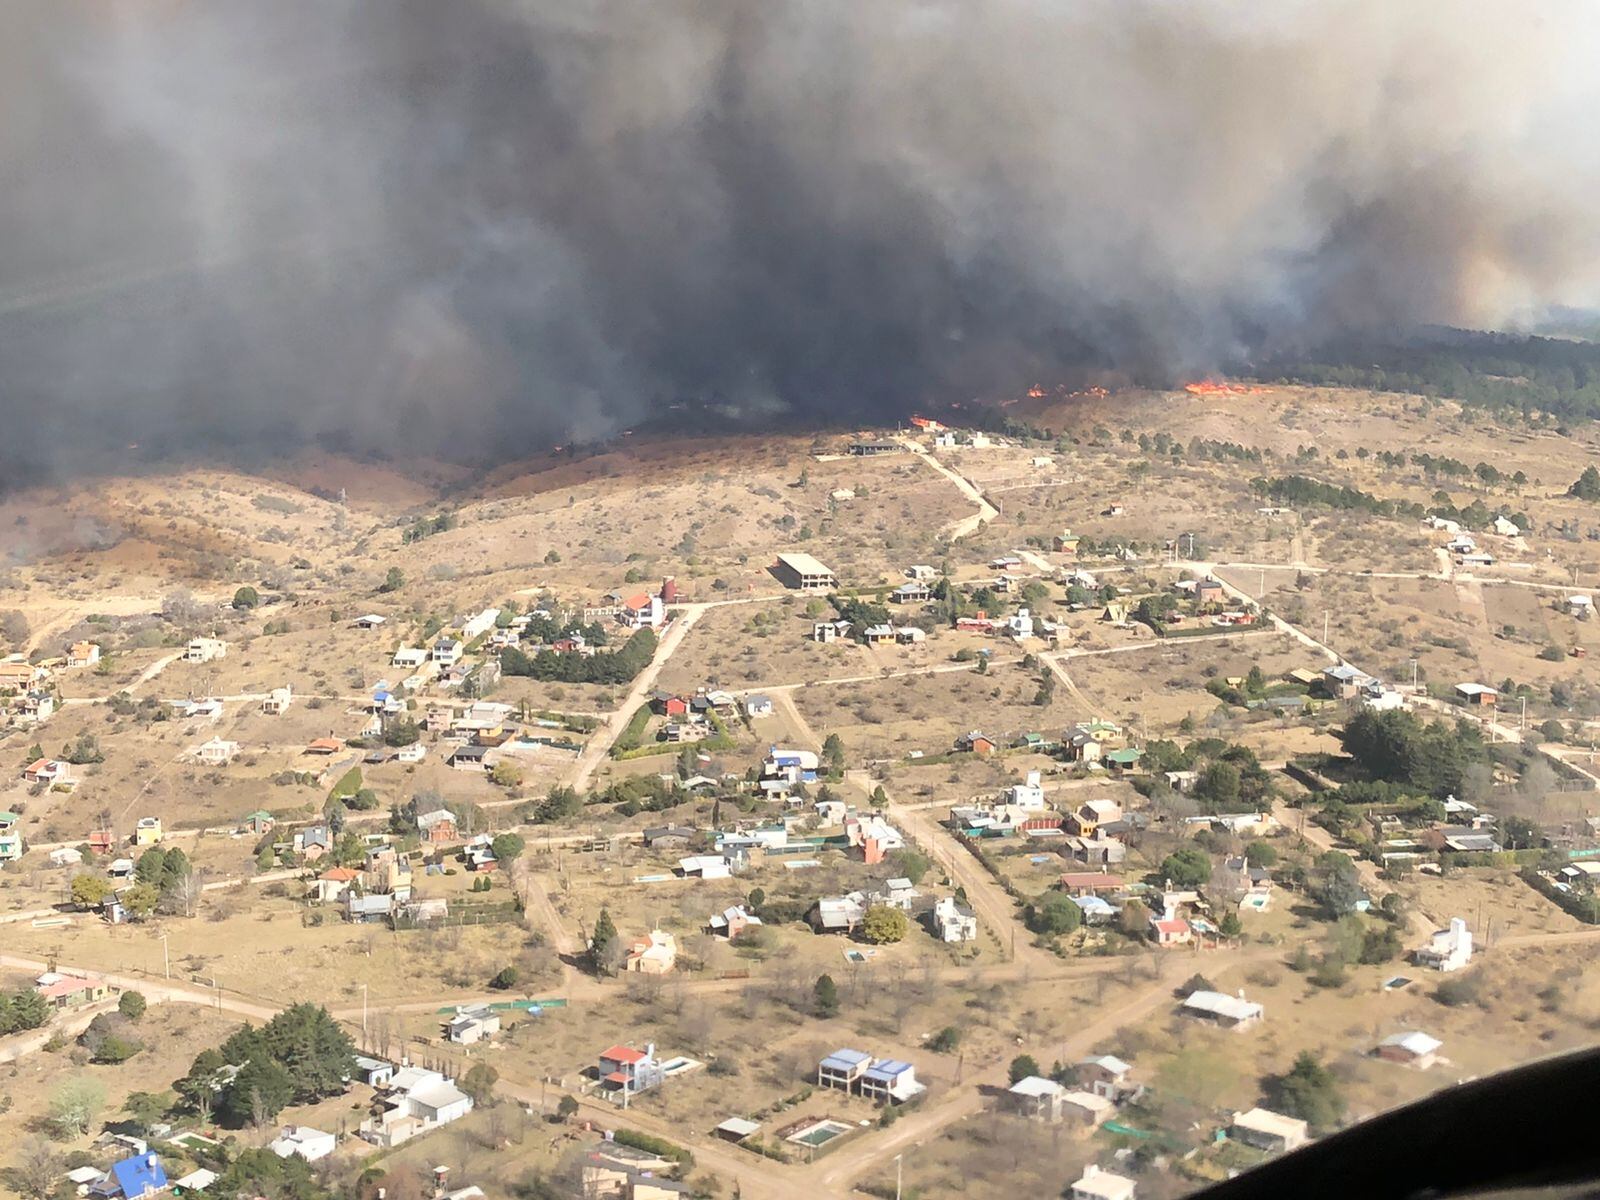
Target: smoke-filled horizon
[{"x": 472, "y": 227}]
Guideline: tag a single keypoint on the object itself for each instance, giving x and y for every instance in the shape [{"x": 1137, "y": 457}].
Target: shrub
[{"x": 131, "y": 1005}]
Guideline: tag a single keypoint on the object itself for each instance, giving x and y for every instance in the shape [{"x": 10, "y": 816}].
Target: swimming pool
[{"x": 819, "y": 1133}]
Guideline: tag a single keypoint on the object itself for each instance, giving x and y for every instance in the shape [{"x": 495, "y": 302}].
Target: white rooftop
[{"x": 1415, "y": 1042}]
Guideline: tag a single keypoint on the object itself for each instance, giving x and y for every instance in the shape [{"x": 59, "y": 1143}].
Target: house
[
  {"x": 757, "y": 706},
  {"x": 217, "y": 752},
  {"x": 333, "y": 883},
  {"x": 313, "y": 841},
  {"x": 477, "y": 625},
  {"x": 472, "y": 758},
  {"x": 782, "y": 769},
  {"x": 1343, "y": 682},
  {"x": 843, "y": 1069},
  {"x": 195, "y": 1182},
  {"x": 1412, "y": 1049},
  {"x": 1089, "y": 816},
  {"x": 1082, "y": 747},
  {"x": 731, "y": 922},
  {"x": 61, "y": 856},
  {"x": 1269, "y": 1131},
  {"x": 875, "y": 447},
  {"x": 139, "y": 1175},
  {"x": 1123, "y": 760},
  {"x": 410, "y": 657},
  {"x": 1096, "y": 1184},
  {"x": 368, "y": 909},
  {"x": 830, "y": 631},
  {"x": 204, "y": 650},
  {"x": 896, "y": 893},
  {"x": 101, "y": 841},
  {"x": 414, "y": 753},
  {"x": 1169, "y": 931},
  {"x": 83, "y": 654},
  {"x": 1090, "y": 883},
  {"x": 669, "y": 835},
  {"x": 368, "y": 621},
  {"x": 910, "y": 635},
  {"x": 325, "y": 746},
  {"x": 1506, "y": 527},
  {"x": 374, "y": 1072},
  {"x": 915, "y": 592},
  {"x": 471, "y": 1024},
  {"x": 301, "y": 1141},
  {"x": 1480, "y": 694},
  {"x": 415, "y": 1101},
  {"x": 438, "y": 827},
  {"x": 953, "y": 922},
  {"x": 643, "y": 611},
  {"x": 976, "y": 743},
  {"x": 803, "y": 573},
  {"x": 839, "y": 914},
  {"x": 921, "y": 572},
  {"x": 1449, "y": 949},
  {"x": 446, "y": 651},
  {"x": 1037, "y": 1097},
  {"x": 1227, "y": 1012},
  {"x": 17, "y": 674},
  {"x": 874, "y": 836},
  {"x": 1105, "y": 1075},
  {"x": 47, "y": 770},
  {"x": 34, "y": 708},
  {"x": 705, "y": 866},
  {"x": 656, "y": 953},
  {"x": 1020, "y": 624},
  {"x": 120, "y": 868},
  {"x": 70, "y": 991},
  {"x": 874, "y": 634},
  {"x": 1065, "y": 542},
  {"x": 890, "y": 1081},
  {"x": 278, "y": 701},
  {"x": 622, "y": 1068},
  {"x": 1581, "y": 607},
  {"x": 147, "y": 831},
  {"x": 1086, "y": 1109}
]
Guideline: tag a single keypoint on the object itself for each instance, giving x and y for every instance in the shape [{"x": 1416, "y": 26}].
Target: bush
[
  {"x": 131, "y": 1005},
  {"x": 505, "y": 978},
  {"x": 1459, "y": 991},
  {"x": 1022, "y": 1066},
  {"x": 654, "y": 1145},
  {"x": 883, "y": 925},
  {"x": 946, "y": 1040}
]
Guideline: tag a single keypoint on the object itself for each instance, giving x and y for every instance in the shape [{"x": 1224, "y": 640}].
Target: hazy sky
[{"x": 476, "y": 226}]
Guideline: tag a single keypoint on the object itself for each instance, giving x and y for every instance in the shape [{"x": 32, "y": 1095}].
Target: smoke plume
[{"x": 472, "y": 227}]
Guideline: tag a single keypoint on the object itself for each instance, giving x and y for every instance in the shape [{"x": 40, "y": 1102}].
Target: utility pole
[
  {"x": 899, "y": 1170},
  {"x": 363, "y": 1016},
  {"x": 1522, "y": 721},
  {"x": 1413, "y": 676},
  {"x": 1324, "y": 627},
  {"x": 166, "y": 960}
]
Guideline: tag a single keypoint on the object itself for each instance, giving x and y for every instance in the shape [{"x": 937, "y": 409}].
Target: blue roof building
[
  {"x": 140, "y": 1175},
  {"x": 842, "y": 1069}
]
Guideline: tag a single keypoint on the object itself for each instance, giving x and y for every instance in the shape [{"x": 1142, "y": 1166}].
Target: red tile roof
[{"x": 623, "y": 1054}]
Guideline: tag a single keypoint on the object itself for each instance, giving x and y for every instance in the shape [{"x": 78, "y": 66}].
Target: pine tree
[{"x": 826, "y": 993}]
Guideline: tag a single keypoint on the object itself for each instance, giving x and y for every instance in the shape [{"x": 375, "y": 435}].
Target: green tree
[
  {"x": 883, "y": 925},
  {"x": 393, "y": 580},
  {"x": 567, "y": 1107},
  {"x": 825, "y": 994},
  {"x": 505, "y": 774},
  {"x": 833, "y": 755},
  {"x": 246, "y": 597},
  {"x": 605, "y": 934},
  {"x": 910, "y": 864},
  {"x": 1230, "y": 926},
  {"x": 507, "y": 847},
  {"x": 1022, "y": 1067},
  {"x": 74, "y": 1105},
  {"x": 1187, "y": 866},
  {"x": 505, "y": 979},
  {"x": 141, "y": 900},
  {"x": 131, "y": 1005},
  {"x": 478, "y": 1082},
  {"x": 1308, "y": 1091},
  {"x": 1587, "y": 485},
  {"x": 1260, "y": 854},
  {"x": 1056, "y": 914},
  {"x": 401, "y": 731},
  {"x": 90, "y": 891}
]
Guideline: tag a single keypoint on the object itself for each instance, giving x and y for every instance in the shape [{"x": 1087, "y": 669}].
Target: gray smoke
[{"x": 473, "y": 227}]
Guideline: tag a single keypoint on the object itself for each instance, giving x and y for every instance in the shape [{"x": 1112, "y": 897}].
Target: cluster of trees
[
  {"x": 426, "y": 527},
  {"x": 606, "y": 666},
  {"x": 1502, "y": 372},
  {"x": 1587, "y": 485},
  {"x": 1397, "y": 746},
  {"x": 1301, "y": 491},
  {"x": 109, "y": 1038},
  {"x": 299, "y": 1057},
  {"x": 1231, "y": 776},
  {"x": 551, "y": 629},
  {"x": 22, "y": 1009},
  {"x": 860, "y": 613},
  {"x": 1307, "y": 1090}
]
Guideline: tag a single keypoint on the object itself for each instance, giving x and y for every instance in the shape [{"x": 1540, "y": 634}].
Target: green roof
[
  {"x": 8, "y": 818},
  {"x": 1127, "y": 757}
]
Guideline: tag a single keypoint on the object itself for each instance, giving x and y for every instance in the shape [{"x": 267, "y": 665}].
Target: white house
[
  {"x": 1449, "y": 949},
  {"x": 1506, "y": 528},
  {"x": 1020, "y": 625},
  {"x": 217, "y": 752},
  {"x": 304, "y": 1142},
  {"x": 413, "y": 753},
  {"x": 1411, "y": 1049},
  {"x": 278, "y": 701},
  {"x": 204, "y": 649},
  {"x": 1029, "y": 795},
  {"x": 472, "y": 1024},
  {"x": 953, "y": 922},
  {"x": 1269, "y": 1131},
  {"x": 757, "y": 706},
  {"x": 409, "y": 656},
  {"x": 1096, "y": 1184},
  {"x": 477, "y": 626},
  {"x": 446, "y": 652},
  {"x": 1581, "y": 607},
  {"x": 369, "y": 621},
  {"x": 416, "y": 1101},
  {"x": 1230, "y": 1012}
]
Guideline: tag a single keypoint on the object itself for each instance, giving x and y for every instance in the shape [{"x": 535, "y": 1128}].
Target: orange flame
[{"x": 1217, "y": 387}]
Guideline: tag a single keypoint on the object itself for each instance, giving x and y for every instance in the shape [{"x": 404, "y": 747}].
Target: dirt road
[{"x": 987, "y": 512}]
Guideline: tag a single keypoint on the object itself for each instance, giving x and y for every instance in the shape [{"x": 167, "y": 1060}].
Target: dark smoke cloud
[{"x": 471, "y": 227}]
